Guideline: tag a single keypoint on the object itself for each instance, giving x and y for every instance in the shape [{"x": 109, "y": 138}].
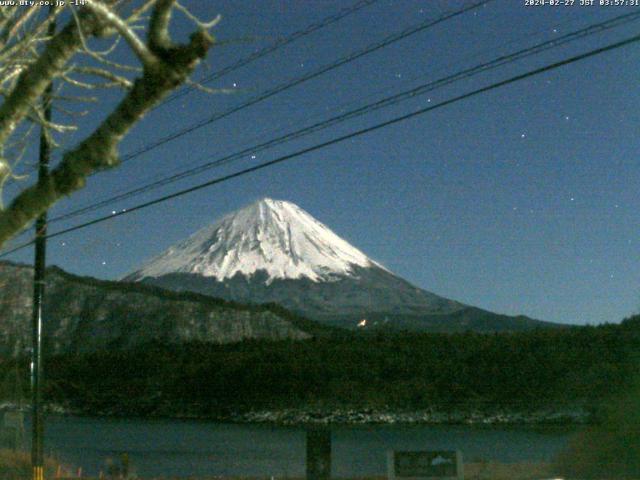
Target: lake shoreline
[
  {"x": 169, "y": 448},
  {"x": 292, "y": 417},
  {"x": 302, "y": 416}
]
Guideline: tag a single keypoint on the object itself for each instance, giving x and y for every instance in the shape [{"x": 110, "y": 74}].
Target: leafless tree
[{"x": 32, "y": 56}]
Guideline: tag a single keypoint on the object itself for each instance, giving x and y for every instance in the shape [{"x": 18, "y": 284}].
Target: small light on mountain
[{"x": 273, "y": 250}]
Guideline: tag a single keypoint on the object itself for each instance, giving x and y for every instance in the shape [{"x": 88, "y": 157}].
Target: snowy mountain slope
[
  {"x": 273, "y": 236},
  {"x": 273, "y": 251}
]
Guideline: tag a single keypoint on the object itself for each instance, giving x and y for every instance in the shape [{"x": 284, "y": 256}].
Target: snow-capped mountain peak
[{"x": 274, "y": 236}]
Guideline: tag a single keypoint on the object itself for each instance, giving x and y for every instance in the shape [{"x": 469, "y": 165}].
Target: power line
[
  {"x": 345, "y": 12},
  {"x": 275, "y": 46},
  {"x": 342, "y": 138},
  {"x": 299, "y": 80},
  {"x": 160, "y": 180},
  {"x": 386, "y": 102}
]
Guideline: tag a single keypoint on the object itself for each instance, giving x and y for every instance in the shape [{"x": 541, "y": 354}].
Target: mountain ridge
[
  {"x": 88, "y": 314},
  {"x": 267, "y": 237},
  {"x": 271, "y": 235}
]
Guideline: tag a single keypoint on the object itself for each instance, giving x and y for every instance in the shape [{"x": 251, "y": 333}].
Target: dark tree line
[{"x": 553, "y": 368}]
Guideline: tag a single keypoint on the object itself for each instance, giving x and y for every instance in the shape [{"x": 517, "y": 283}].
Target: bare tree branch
[
  {"x": 165, "y": 67},
  {"x": 115, "y": 80},
  {"x": 34, "y": 80},
  {"x": 204, "y": 25},
  {"x": 159, "y": 40},
  {"x": 136, "y": 44}
]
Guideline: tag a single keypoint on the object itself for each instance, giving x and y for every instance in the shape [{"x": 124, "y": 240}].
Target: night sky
[{"x": 522, "y": 200}]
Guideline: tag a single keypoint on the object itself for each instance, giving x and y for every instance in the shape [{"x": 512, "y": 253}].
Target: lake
[{"x": 197, "y": 447}]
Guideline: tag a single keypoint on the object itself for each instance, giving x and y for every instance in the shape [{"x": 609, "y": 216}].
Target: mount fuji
[{"x": 272, "y": 251}]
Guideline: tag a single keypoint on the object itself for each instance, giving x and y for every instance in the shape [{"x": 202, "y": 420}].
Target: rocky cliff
[{"x": 85, "y": 314}]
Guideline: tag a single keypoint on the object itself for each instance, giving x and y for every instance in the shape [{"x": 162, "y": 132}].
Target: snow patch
[{"x": 274, "y": 236}]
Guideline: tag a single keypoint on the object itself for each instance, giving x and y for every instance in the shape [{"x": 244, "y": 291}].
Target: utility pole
[{"x": 37, "y": 432}]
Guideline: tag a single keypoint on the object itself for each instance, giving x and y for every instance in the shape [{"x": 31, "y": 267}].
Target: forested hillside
[{"x": 578, "y": 367}]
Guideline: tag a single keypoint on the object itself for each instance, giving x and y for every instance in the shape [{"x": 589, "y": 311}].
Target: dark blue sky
[{"x": 523, "y": 200}]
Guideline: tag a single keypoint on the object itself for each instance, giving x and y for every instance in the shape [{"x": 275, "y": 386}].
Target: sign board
[{"x": 425, "y": 465}]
